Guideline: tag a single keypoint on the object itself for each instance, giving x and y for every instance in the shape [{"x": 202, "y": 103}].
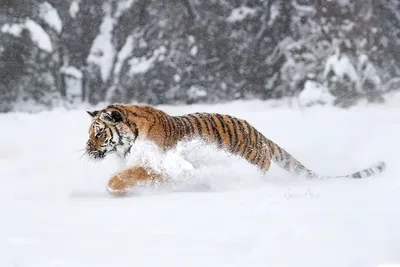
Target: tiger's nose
[{"x": 89, "y": 145}]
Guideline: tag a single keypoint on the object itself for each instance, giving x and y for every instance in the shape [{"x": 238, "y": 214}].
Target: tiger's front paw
[{"x": 117, "y": 187}]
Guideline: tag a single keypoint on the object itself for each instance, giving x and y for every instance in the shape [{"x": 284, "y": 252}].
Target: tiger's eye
[{"x": 99, "y": 134}]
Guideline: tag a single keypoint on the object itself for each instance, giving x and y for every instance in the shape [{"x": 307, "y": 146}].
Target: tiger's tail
[{"x": 286, "y": 161}]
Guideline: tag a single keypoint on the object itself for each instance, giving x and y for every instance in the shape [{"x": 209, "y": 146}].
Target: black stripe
[
  {"x": 136, "y": 133},
  {"x": 248, "y": 153},
  {"x": 188, "y": 126},
  {"x": 152, "y": 125},
  {"x": 196, "y": 120},
  {"x": 262, "y": 156},
  {"x": 222, "y": 120},
  {"x": 251, "y": 133},
  {"x": 189, "y": 123},
  {"x": 259, "y": 147},
  {"x": 203, "y": 119},
  {"x": 235, "y": 132},
  {"x": 274, "y": 150},
  {"x": 249, "y": 137},
  {"x": 172, "y": 125},
  {"x": 287, "y": 164},
  {"x": 119, "y": 137},
  {"x": 280, "y": 153},
  {"x": 253, "y": 149},
  {"x": 111, "y": 133},
  {"x": 173, "y": 131},
  {"x": 254, "y": 145},
  {"x": 264, "y": 163},
  {"x": 165, "y": 127},
  {"x": 215, "y": 129},
  {"x": 261, "y": 150},
  {"x": 254, "y": 160},
  {"x": 144, "y": 109},
  {"x": 257, "y": 157},
  {"x": 184, "y": 126},
  {"x": 120, "y": 109},
  {"x": 257, "y": 138},
  {"x": 176, "y": 130},
  {"x": 154, "y": 120},
  {"x": 244, "y": 137},
  {"x": 137, "y": 115}
]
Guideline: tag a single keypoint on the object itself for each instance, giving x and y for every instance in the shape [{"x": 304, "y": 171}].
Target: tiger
[{"x": 115, "y": 129}]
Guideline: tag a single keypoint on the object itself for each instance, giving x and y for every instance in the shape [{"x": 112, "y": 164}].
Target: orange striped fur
[{"x": 115, "y": 128}]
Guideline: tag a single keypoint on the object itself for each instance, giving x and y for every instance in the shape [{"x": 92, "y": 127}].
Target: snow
[
  {"x": 195, "y": 91},
  {"x": 143, "y": 64},
  {"x": 73, "y": 82},
  {"x": 71, "y": 71},
  {"x": 177, "y": 78},
  {"x": 305, "y": 9},
  {"x": 123, "y": 54},
  {"x": 223, "y": 213},
  {"x": 102, "y": 52},
  {"x": 240, "y": 13},
  {"x": 314, "y": 93},
  {"x": 344, "y": 2},
  {"x": 123, "y": 5},
  {"x": 340, "y": 64},
  {"x": 14, "y": 29},
  {"x": 369, "y": 72},
  {"x": 74, "y": 8},
  {"x": 193, "y": 51},
  {"x": 274, "y": 13},
  {"x": 50, "y": 16},
  {"x": 38, "y": 35},
  {"x": 173, "y": 162}
]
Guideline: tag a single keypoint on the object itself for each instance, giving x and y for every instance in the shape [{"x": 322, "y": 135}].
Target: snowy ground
[{"x": 55, "y": 211}]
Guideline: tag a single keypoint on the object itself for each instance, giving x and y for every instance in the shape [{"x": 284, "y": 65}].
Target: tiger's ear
[
  {"x": 92, "y": 113},
  {"x": 114, "y": 116}
]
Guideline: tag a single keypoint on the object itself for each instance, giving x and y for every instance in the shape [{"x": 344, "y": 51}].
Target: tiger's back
[{"x": 232, "y": 134}]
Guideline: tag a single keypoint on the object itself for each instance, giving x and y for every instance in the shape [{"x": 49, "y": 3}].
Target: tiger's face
[{"x": 110, "y": 133}]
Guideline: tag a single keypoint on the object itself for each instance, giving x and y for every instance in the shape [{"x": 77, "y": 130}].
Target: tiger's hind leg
[{"x": 119, "y": 183}]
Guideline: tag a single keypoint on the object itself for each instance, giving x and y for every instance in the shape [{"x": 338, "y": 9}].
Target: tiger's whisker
[{"x": 84, "y": 153}]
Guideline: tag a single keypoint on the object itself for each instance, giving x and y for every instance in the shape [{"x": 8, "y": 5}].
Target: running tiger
[{"x": 115, "y": 129}]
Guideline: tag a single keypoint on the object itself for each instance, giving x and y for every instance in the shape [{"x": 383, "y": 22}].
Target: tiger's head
[{"x": 110, "y": 132}]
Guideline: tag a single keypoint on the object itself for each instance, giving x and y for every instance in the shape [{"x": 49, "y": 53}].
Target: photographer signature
[{"x": 307, "y": 193}]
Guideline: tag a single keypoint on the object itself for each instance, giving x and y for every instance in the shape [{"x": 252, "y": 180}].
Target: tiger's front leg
[{"x": 119, "y": 183}]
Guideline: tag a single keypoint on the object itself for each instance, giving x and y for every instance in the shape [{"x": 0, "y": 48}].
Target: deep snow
[{"x": 55, "y": 211}]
